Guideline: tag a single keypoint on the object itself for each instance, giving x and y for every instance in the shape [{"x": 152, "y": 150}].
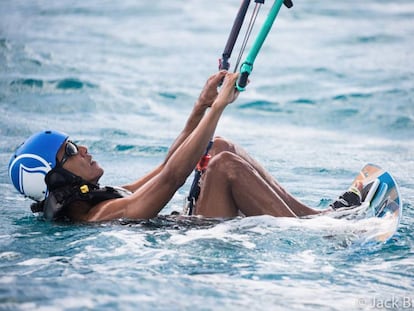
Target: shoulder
[
  {"x": 78, "y": 211},
  {"x": 106, "y": 203},
  {"x": 111, "y": 209}
]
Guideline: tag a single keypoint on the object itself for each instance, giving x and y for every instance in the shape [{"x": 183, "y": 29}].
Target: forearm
[
  {"x": 183, "y": 161},
  {"x": 205, "y": 100},
  {"x": 193, "y": 120},
  {"x": 134, "y": 186}
]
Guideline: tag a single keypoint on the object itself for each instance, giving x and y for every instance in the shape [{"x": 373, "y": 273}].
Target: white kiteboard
[{"x": 381, "y": 198}]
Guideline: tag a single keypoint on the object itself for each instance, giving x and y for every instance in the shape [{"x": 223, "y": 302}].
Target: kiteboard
[{"x": 380, "y": 198}]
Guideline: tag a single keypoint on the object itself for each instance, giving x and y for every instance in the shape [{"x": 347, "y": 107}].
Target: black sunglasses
[{"x": 71, "y": 149}]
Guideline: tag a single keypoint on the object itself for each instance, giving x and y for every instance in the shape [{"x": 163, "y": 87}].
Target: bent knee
[
  {"x": 226, "y": 163},
  {"x": 221, "y": 145}
]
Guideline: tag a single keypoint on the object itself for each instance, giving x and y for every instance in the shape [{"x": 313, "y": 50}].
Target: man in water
[{"x": 233, "y": 184}]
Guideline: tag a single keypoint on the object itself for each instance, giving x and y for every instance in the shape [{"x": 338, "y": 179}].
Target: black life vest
[{"x": 66, "y": 188}]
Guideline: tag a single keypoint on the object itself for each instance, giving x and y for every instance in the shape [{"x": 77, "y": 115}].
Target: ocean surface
[{"x": 331, "y": 90}]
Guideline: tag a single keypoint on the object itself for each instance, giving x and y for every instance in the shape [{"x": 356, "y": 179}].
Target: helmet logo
[{"x": 28, "y": 172}]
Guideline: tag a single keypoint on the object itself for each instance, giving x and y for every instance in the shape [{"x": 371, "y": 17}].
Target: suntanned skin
[{"x": 234, "y": 182}]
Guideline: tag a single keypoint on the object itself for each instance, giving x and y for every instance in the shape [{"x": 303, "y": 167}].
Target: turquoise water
[{"x": 331, "y": 90}]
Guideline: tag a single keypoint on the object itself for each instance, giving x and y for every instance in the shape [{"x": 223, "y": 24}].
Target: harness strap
[
  {"x": 195, "y": 186},
  {"x": 56, "y": 204},
  {"x": 65, "y": 188}
]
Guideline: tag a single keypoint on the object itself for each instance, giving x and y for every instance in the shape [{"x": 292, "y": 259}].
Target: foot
[{"x": 350, "y": 198}]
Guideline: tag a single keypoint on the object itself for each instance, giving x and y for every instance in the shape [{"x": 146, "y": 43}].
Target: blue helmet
[{"x": 32, "y": 160}]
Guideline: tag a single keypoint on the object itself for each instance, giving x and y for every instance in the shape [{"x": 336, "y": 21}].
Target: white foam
[
  {"x": 218, "y": 232},
  {"x": 365, "y": 230}
]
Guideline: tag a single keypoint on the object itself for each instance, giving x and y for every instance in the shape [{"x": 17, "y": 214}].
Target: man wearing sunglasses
[{"x": 63, "y": 178}]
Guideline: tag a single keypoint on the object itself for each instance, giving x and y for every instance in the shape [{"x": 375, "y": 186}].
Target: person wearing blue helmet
[{"x": 63, "y": 178}]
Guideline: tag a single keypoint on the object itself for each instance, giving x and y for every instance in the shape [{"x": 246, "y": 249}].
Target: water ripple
[{"x": 61, "y": 84}]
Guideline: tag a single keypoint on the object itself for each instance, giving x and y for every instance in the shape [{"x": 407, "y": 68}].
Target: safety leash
[{"x": 195, "y": 186}]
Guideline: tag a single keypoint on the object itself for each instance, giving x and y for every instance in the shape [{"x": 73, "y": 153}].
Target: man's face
[{"x": 81, "y": 164}]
